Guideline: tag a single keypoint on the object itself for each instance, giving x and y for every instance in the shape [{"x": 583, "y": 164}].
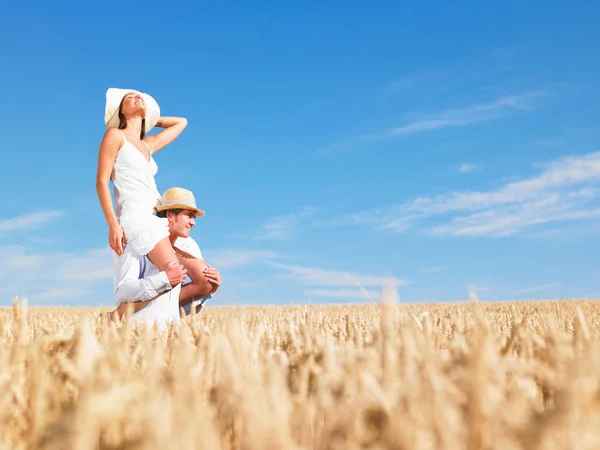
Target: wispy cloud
[
  {"x": 453, "y": 117},
  {"x": 92, "y": 265},
  {"x": 20, "y": 260},
  {"x": 434, "y": 269},
  {"x": 317, "y": 276},
  {"x": 467, "y": 168},
  {"x": 232, "y": 258},
  {"x": 30, "y": 220},
  {"x": 502, "y": 53},
  {"x": 285, "y": 226},
  {"x": 344, "y": 293},
  {"x": 466, "y": 115},
  {"x": 511, "y": 219},
  {"x": 410, "y": 81},
  {"x": 65, "y": 293},
  {"x": 566, "y": 190},
  {"x": 536, "y": 288},
  {"x": 43, "y": 276}
]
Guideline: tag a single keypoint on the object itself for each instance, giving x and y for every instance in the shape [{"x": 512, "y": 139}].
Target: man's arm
[
  {"x": 214, "y": 278},
  {"x": 199, "y": 286},
  {"x": 131, "y": 285},
  {"x": 205, "y": 280},
  {"x": 190, "y": 256},
  {"x": 196, "y": 304}
]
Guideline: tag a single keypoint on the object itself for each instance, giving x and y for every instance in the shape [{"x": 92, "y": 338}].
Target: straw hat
[
  {"x": 113, "y": 101},
  {"x": 178, "y": 198}
]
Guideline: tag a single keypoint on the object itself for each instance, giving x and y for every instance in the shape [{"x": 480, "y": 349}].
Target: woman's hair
[{"x": 122, "y": 122}]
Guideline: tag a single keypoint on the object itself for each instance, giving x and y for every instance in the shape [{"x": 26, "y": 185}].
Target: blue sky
[{"x": 453, "y": 148}]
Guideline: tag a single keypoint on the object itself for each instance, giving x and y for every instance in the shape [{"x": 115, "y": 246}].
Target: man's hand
[
  {"x": 213, "y": 276},
  {"x": 176, "y": 273}
]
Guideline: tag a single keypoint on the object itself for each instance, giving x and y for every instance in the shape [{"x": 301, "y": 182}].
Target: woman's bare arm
[
  {"x": 173, "y": 127},
  {"x": 109, "y": 147}
]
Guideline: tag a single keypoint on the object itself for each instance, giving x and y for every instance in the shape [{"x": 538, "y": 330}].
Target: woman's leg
[
  {"x": 123, "y": 309},
  {"x": 162, "y": 254},
  {"x": 199, "y": 285}
]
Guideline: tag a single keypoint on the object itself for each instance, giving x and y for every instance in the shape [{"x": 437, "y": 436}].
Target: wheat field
[{"x": 473, "y": 375}]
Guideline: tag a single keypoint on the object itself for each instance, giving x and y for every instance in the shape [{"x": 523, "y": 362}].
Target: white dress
[{"x": 136, "y": 195}]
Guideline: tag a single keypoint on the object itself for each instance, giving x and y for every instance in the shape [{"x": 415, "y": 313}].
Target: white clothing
[
  {"x": 136, "y": 195},
  {"x": 138, "y": 279}
]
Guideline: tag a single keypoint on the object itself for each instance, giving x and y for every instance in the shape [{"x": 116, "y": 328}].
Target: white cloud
[
  {"x": 29, "y": 220},
  {"x": 343, "y": 293},
  {"x": 333, "y": 278},
  {"x": 232, "y": 258},
  {"x": 45, "y": 276},
  {"x": 453, "y": 117},
  {"x": 61, "y": 294},
  {"x": 536, "y": 288},
  {"x": 466, "y": 168},
  {"x": 467, "y": 115},
  {"x": 565, "y": 190},
  {"x": 22, "y": 261},
  {"x": 283, "y": 227},
  {"x": 94, "y": 264},
  {"x": 502, "y": 53},
  {"x": 434, "y": 269},
  {"x": 35, "y": 270},
  {"x": 507, "y": 221},
  {"x": 410, "y": 81}
]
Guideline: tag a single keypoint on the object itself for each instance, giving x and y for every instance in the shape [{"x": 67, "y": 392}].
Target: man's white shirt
[{"x": 138, "y": 279}]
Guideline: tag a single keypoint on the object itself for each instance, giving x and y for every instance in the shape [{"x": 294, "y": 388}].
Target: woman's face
[{"x": 133, "y": 104}]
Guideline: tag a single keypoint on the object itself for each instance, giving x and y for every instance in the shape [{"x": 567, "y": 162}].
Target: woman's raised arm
[{"x": 173, "y": 127}]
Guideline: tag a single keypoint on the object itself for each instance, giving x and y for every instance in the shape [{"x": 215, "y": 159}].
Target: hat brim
[
  {"x": 113, "y": 101},
  {"x": 199, "y": 212}
]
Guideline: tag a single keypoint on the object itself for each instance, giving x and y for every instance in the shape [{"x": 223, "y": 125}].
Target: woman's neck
[{"x": 134, "y": 126}]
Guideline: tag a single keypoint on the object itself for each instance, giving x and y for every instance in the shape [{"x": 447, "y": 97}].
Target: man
[{"x": 156, "y": 297}]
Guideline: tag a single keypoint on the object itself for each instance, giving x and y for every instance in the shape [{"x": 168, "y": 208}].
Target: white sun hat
[{"x": 113, "y": 101}]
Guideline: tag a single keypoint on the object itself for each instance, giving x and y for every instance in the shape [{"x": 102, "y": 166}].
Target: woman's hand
[
  {"x": 214, "y": 277},
  {"x": 116, "y": 238}
]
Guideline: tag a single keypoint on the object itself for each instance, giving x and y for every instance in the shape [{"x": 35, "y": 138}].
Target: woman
[{"x": 125, "y": 158}]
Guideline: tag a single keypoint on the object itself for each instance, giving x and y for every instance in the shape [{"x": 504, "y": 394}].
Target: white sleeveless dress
[{"x": 136, "y": 195}]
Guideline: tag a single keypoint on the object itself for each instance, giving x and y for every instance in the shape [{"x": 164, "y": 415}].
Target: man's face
[{"x": 181, "y": 224}]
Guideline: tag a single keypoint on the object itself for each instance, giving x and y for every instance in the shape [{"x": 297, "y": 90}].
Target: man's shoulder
[{"x": 189, "y": 246}]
